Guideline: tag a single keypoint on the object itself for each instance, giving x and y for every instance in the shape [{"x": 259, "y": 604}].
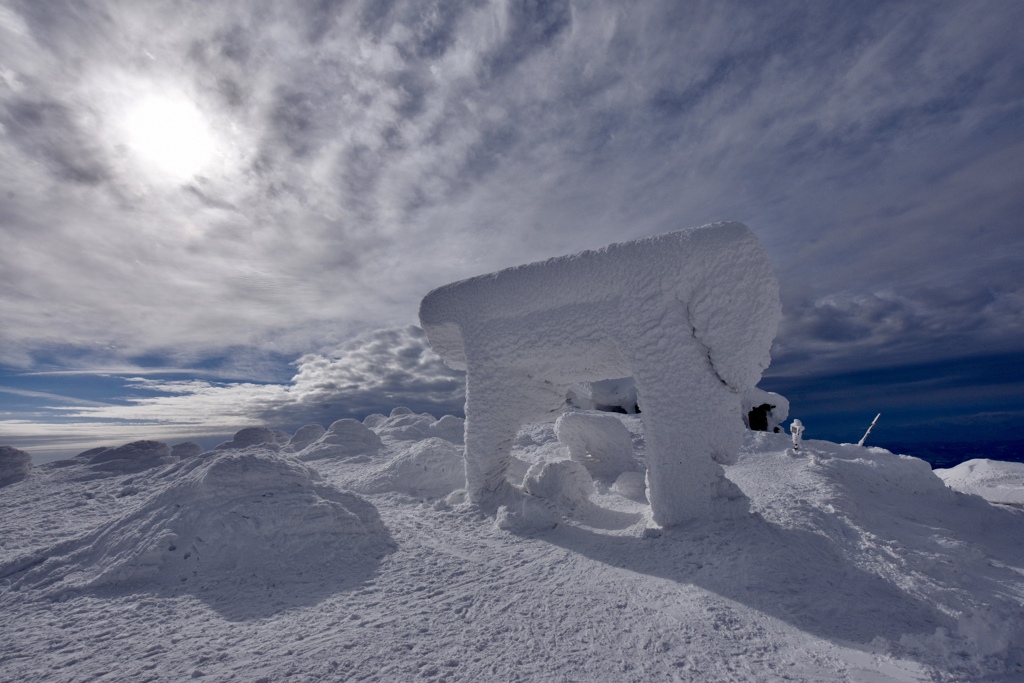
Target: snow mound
[
  {"x": 246, "y": 516},
  {"x": 85, "y": 455},
  {"x": 187, "y": 449},
  {"x": 405, "y": 425},
  {"x": 15, "y": 465},
  {"x": 345, "y": 438},
  {"x": 449, "y": 428},
  {"x": 250, "y": 436},
  {"x": 564, "y": 482},
  {"x": 993, "y": 480},
  {"x": 131, "y": 457},
  {"x": 552, "y": 491},
  {"x": 689, "y": 315},
  {"x": 632, "y": 485},
  {"x": 431, "y": 468},
  {"x": 305, "y": 436},
  {"x": 931, "y": 565},
  {"x": 598, "y": 441},
  {"x": 375, "y": 420}
]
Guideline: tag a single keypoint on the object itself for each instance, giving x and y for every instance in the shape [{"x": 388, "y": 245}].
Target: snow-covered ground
[
  {"x": 344, "y": 556},
  {"x": 993, "y": 480}
]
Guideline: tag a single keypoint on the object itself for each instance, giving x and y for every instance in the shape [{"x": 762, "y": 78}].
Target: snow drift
[
  {"x": 345, "y": 438},
  {"x": 430, "y": 468},
  {"x": 131, "y": 457},
  {"x": 993, "y": 480},
  {"x": 250, "y": 436},
  {"x": 244, "y": 516},
  {"x": 599, "y": 442},
  {"x": 690, "y": 315},
  {"x": 857, "y": 565}
]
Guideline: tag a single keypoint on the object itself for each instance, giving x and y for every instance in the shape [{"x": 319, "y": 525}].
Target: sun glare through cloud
[{"x": 171, "y": 134}]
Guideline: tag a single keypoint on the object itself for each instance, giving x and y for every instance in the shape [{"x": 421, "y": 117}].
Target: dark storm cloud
[{"x": 885, "y": 328}]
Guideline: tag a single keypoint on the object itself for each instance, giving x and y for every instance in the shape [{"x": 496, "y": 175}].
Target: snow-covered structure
[
  {"x": 771, "y": 407},
  {"x": 690, "y": 315}
]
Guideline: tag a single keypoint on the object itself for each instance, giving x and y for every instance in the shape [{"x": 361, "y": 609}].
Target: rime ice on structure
[{"x": 690, "y": 315}]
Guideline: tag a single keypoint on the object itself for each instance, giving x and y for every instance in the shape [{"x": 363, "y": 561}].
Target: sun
[{"x": 172, "y": 135}]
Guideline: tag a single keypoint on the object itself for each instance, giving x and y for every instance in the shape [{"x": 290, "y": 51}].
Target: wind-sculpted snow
[
  {"x": 305, "y": 436},
  {"x": 995, "y": 481},
  {"x": 245, "y": 518},
  {"x": 431, "y": 468},
  {"x": 132, "y": 457},
  {"x": 345, "y": 438},
  {"x": 250, "y": 436},
  {"x": 859, "y": 565},
  {"x": 599, "y": 442},
  {"x": 449, "y": 428},
  {"x": 564, "y": 482},
  {"x": 690, "y": 315},
  {"x": 898, "y": 528}
]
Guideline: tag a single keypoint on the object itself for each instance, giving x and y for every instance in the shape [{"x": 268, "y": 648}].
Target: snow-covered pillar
[
  {"x": 686, "y": 424},
  {"x": 497, "y": 405}
]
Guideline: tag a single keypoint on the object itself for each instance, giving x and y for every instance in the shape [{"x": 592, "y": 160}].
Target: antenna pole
[{"x": 864, "y": 438}]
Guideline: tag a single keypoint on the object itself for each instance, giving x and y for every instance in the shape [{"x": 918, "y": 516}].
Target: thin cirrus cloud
[{"x": 356, "y": 155}]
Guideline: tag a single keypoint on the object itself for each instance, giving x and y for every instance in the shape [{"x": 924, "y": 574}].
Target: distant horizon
[{"x": 938, "y": 452}]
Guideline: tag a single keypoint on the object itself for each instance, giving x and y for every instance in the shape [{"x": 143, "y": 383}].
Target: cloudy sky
[{"x": 215, "y": 214}]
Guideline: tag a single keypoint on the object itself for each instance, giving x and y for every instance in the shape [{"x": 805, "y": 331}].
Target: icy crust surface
[
  {"x": 993, "y": 480},
  {"x": 856, "y": 565},
  {"x": 690, "y": 315}
]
